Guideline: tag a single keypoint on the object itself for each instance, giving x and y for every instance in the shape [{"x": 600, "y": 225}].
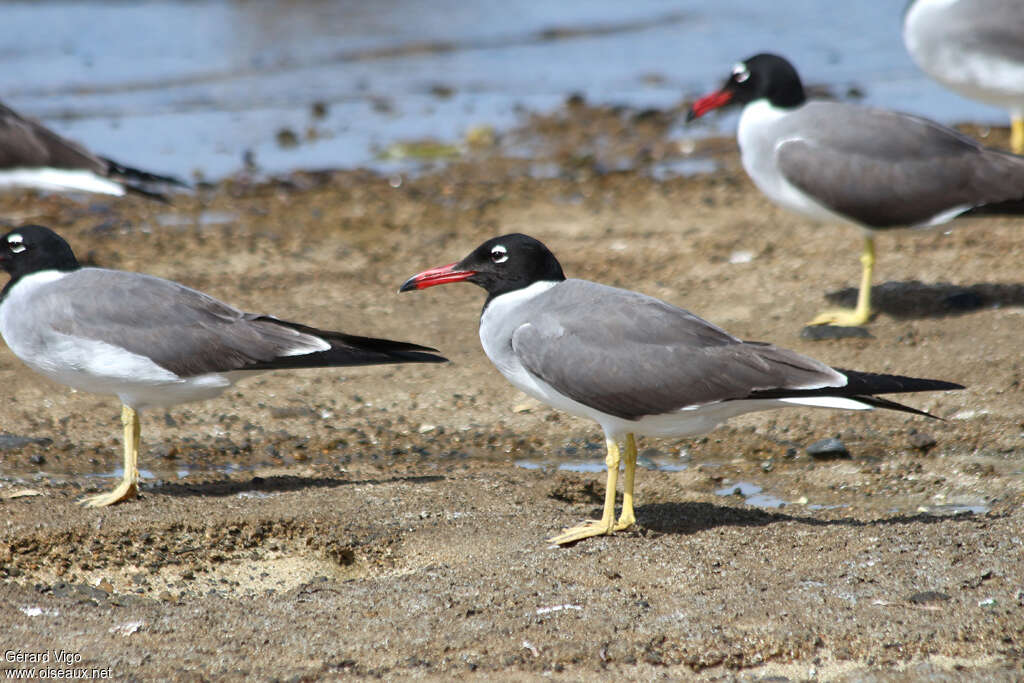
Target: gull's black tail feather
[
  {"x": 877, "y": 383},
  {"x": 876, "y": 402},
  {"x": 862, "y": 387},
  {"x": 1011, "y": 207},
  {"x": 129, "y": 173},
  {"x": 140, "y": 182},
  {"x": 348, "y": 350}
]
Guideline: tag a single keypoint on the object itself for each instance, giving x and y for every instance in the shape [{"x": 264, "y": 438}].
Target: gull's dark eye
[
  {"x": 499, "y": 254},
  {"x": 16, "y": 244}
]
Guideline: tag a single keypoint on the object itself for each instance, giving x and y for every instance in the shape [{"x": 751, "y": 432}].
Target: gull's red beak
[
  {"x": 436, "y": 276},
  {"x": 708, "y": 102}
]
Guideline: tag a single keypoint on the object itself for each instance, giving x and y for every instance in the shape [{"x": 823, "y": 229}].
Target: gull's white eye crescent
[
  {"x": 16, "y": 243},
  {"x": 499, "y": 254},
  {"x": 740, "y": 73}
]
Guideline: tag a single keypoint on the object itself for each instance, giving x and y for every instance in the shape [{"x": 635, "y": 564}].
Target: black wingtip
[
  {"x": 138, "y": 181},
  {"x": 876, "y": 402},
  {"x": 863, "y": 387},
  {"x": 418, "y": 357},
  {"x": 345, "y": 356},
  {"x": 866, "y": 383},
  {"x": 349, "y": 350},
  {"x": 130, "y": 173}
]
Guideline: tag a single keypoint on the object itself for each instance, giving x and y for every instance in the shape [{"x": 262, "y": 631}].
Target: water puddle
[
  {"x": 755, "y": 495},
  {"x": 154, "y": 477},
  {"x": 205, "y": 219},
  {"x": 683, "y": 168},
  {"x": 752, "y": 495},
  {"x": 954, "y": 509},
  {"x": 659, "y": 463},
  {"x": 211, "y": 89}
]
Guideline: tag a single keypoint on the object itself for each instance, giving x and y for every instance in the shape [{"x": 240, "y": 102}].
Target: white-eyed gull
[
  {"x": 634, "y": 364},
  {"x": 839, "y": 162},
  {"x": 149, "y": 341}
]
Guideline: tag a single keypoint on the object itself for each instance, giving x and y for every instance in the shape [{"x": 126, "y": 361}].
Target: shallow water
[
  {"x": 752, "y": 495},
  {"x": 191, "y": 88},
  {"x": 662, "y": 463}
]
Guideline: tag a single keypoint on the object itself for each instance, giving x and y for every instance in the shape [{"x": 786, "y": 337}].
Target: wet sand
[{"x": 374, "y": 521}]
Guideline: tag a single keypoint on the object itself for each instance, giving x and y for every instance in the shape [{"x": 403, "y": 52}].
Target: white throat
[
  {"x": 500, "y": 307},
  {"x": 501, "y": 318},
  {"x": 762, "y": 131}
]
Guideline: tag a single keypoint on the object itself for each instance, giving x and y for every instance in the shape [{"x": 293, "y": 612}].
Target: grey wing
[
  {"x": 180, "y": 329},
  {"x": 993, "y": 27},
  {"x": 886, "y": 169},
  {"x": 648, "y": 358},
  {"x": 26, "y": 143}
]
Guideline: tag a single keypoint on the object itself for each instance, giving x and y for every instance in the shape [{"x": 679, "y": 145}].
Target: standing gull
[
  {"x": 32, "y": 155},
  {"x": 838, "y": 162},
  {"x": 149, "y": 341},
  {"x": 975, "y": 48},
  {"x": 634, "y": 364}
]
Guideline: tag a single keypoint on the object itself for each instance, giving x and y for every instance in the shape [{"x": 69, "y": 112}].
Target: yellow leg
[
  {"x": 844, "y": 317},
  {"x": 1017, "y": 134},
  {"x": 594, "y": 527},
  {"x": 129, "y": 486},
  {"x": 627, "y": 518}
]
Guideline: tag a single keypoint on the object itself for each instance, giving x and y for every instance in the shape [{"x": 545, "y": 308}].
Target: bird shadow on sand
[
  {"x": 689, "y": 518},
  {"x": 258, "y": 486},
  {"x": 913, "y": 299}
]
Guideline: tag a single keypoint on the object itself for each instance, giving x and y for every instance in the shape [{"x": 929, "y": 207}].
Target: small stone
[
  {"x": 37, "y": 459},
  {"x": 13, "y": 442},
  {"x": 926, "y": 597},
  {"x": 442, "y": 91},
  {"x": 290, "y": 412},
  {"x": 825, "y": 449},
  {"x": 286, "y": 137},
  {"x": 921, "y": 441},
  {"x": 831, "y": 332},
  {"x": 767, "y": 466},
  {"x": 92, "y": 593}
]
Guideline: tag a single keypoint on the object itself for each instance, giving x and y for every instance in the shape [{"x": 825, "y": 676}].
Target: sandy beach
[{"x": 390, "y": 522}]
